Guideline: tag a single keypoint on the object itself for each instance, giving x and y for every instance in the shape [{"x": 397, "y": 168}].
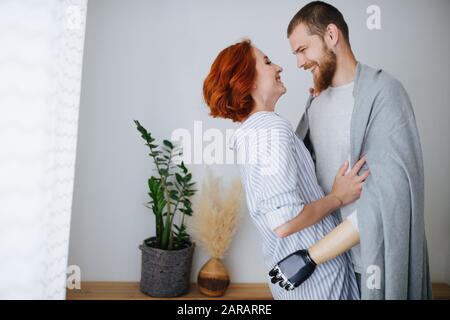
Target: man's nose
[{"x": 300, "y": 61}]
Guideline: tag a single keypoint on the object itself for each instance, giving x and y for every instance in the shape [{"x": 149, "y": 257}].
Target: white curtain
[{"x": 41, "y": 50}]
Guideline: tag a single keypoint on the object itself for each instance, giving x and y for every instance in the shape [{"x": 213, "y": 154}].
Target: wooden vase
[{"x": 213, "y": 279}]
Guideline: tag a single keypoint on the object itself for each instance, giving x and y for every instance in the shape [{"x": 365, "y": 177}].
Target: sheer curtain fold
[{"x": 41, "y": 51}]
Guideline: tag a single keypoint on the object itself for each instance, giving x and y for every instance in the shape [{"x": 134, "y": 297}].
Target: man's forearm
[{"x": 310, "y": 215}]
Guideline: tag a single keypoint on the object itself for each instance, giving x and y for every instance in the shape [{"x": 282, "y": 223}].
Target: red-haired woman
[{"x": 283, "y": 196}]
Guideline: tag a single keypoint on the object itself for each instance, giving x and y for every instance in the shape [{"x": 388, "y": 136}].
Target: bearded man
[{"x": 356, "y": 111}]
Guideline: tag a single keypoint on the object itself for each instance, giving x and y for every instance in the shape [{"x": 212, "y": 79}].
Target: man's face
[{"x": 313, "y": 54}]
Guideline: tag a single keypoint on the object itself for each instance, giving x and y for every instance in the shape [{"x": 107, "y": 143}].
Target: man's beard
[{"x": 326, "y": 70}]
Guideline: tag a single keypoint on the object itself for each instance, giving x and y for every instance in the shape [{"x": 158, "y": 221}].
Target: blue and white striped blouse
[{"x": 278, "y": 176}]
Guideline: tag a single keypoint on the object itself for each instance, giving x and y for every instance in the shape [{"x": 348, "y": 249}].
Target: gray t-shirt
[{"x": 329, "y": 122}]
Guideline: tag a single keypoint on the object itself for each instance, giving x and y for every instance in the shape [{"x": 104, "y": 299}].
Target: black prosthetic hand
[{"x": 293, "y": 270}]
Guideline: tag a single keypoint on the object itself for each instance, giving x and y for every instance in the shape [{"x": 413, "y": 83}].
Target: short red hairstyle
[{"x": 227, "y": 87}]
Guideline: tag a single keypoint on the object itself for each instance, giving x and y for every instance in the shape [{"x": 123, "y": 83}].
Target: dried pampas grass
[{"x": 216, "y": 214}]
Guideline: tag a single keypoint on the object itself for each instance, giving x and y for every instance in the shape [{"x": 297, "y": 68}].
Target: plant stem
[
  {"x": 159, "y": 221},
  {"x": 167, "y": 243}
]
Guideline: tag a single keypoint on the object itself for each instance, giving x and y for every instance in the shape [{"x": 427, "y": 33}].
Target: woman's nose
[{"x": 279, "y": 68}]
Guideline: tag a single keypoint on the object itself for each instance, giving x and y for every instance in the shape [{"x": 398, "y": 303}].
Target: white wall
[{"x": 146, "y": 60}]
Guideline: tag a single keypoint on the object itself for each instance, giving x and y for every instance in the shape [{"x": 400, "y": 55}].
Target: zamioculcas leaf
[
  {"x": 168, "y": 144},
  {"x": 179, "y": 178}
]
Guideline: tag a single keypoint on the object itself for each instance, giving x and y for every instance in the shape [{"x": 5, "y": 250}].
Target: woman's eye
[{"x": 268, "y": 62}]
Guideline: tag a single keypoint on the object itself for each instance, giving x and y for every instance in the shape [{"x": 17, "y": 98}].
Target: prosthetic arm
[{"x": 296, "y": 268}]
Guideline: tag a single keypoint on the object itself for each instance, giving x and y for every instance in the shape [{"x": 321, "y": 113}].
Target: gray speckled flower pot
[{"x": 165, "y": 273}]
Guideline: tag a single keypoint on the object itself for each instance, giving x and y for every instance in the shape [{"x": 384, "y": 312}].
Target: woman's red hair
[{"x": 227, "y": 87}]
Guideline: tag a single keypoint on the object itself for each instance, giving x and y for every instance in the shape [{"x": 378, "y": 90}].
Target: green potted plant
[{"x": 167, "y": 257}]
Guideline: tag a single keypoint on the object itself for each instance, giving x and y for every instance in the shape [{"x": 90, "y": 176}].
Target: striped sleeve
[{"x": 275, "y": 178}]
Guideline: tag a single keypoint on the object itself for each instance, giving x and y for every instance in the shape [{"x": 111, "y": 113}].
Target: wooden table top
[{"x": 236, "y": 291}]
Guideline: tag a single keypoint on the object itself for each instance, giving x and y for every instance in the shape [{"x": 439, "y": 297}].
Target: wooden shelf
[
  {"x": 236, "y": 291},
  {"x": 441, "y": 291},
  {"x": 130, "y": 290}
]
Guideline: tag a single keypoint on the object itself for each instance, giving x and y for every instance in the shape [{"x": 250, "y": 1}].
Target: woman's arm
[
  {"x": 311, "y": 214},
  {"x": 339, "y": 240},
  {"x": 346, "y": 189},
  {"x": 296, "y": 268}
]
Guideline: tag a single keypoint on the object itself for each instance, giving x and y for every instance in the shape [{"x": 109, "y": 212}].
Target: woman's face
[{"x": 268, "y": 85}]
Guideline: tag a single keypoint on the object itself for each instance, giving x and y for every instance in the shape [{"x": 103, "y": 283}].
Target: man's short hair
[{"x": 316, "y": 16}]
